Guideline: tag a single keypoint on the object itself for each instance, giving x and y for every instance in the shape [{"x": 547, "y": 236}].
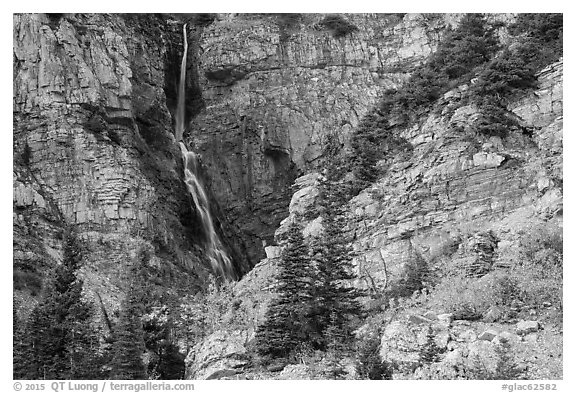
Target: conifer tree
[
  {"x": 430, "y": 352},
  {"x": 365, "y": 144},
  {"x": 334, "y": 298},
  {"x": 20, "y": 354},
  {"x": 60, "y": 342},
  {"x": 287, "y": 323},
  {"x": 128, "y": 337},
  {"x": 369, "y": 365}
]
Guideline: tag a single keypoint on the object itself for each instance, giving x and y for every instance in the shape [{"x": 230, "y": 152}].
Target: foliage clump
[
  {"x": 430, "y": 351},
  {"x": 369, "y": 365},
  {"x": 338, "y": 25},
  {"x": 506, "y": 367}
]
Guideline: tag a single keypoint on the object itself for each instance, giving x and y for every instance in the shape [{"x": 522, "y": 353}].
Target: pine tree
[
  {"x": 83, "y": 345},
  {"x": 365, "y": 143},
  {"x": 334, "y": 304},
  {"x": 430, "y": 352},
  {"x": 171, "y": 362},
  {"x": 128, "y": 336},
  {"x": 287, "y": 322},
  {"x": 166, "y": 362},
  {"x": 60, "y": 342},
  {"x": 20, "y": 353},
  {"x": 369, "y": 365},
  {"x": 470, "y": 45}
]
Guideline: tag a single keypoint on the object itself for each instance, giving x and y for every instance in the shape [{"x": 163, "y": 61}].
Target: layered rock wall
[
  {"x": 273, "y": 88},
  {"x": 93, "y": 145}
]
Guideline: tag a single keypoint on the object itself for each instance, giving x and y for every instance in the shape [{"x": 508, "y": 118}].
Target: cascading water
[
  {"x": 220, "y": 261},
  {"x": 181, "y": 91}
]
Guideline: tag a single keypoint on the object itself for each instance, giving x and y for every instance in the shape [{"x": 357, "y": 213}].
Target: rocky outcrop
[
  {"x": 270, "y": 130},
  {"x": 461, "y": 345},
  {"x": 461, "y": 197},
  {"x": 222, "y": 354}
]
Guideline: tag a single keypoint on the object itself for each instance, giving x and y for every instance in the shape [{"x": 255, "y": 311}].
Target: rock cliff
[
  {"x": 455, "y": 196},
  {"x": 93, "y": 108},
  {"x": 93, "y": 148},
  {"x": 273, "y": 87}
]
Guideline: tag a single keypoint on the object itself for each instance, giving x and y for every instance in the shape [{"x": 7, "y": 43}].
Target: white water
[{"x": 219, "y": 260}]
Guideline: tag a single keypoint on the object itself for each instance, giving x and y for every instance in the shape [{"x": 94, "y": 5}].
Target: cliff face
[
  {"x": 274, "y": 86},
  {"x": 93, "y": 147},
  {"x": 455, "y": 201},
  {"x": 453, "y": 188}
]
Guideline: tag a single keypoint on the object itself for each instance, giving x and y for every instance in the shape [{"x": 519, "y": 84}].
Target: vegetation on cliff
[
  {"x": 58, "y": 340},
  {"x": 469, "y": 54}
]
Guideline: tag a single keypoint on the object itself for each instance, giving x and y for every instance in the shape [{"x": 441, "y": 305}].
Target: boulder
[
  {"x": 493, "y": 314},
  {"x": 273, "y": 251},
  {"x": 221, "y": 354},
  {"x": 303, "y": 200},
  {"x": 525, "y": 327},
  {"x": 488, "y": 335},
  {"x": 430, "y": 315},
  {"x": 419, "y": 319},
  {"x": 296, "y": 371},
  {"x": 446, "y": 319},
  {"x": 509, "y": 337},
  {"x": 463, "y": 334},
  {"x": 314, "y": 228}
]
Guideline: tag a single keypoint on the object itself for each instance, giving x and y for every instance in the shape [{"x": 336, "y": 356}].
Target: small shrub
[
  {"x": 339, "y": 26},
  {"x": 506, "y": 367},
  {"x": 542, "y": 249},
  {"x": 430, "y": 352},
  {"x": 470, "y": 298},
  {"x": 26, "y": 154},
  {"x": 494, "y": 121},
  {"x": 203, "y": 19},
  {"x": 369, "y": 365},
  {"x": 538, "y": 270},
  {"x": 415, "y": 278},
  {"x": 288, "y": 20}
]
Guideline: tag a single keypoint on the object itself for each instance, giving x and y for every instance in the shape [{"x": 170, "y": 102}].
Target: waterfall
[
  {"x": 180, "y": 112},
  {"x": 219, "y": 260}
]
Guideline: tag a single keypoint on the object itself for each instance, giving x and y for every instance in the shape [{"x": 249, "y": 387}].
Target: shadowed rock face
[
  {"x": 273, "y": 89},
  {"x": 95, "y": 95},
  {"x": 93, "y": 146}
]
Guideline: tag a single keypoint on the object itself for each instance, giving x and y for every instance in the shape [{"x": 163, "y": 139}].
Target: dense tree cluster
[
  {"x": 58, "y": 341},
  {"x": 60, "y": 338},
  {"x": 315, "y": 305}
]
